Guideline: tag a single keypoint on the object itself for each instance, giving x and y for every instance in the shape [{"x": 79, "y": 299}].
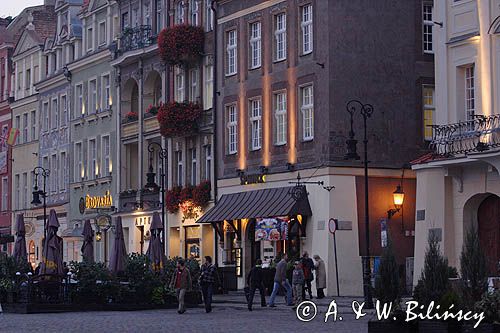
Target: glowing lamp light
[
  {"x": 398, "y": 196},
  {"x": 98, "y": 236}
]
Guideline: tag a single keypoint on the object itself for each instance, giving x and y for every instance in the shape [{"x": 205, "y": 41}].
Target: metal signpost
[{"x": 332, "y": 227}]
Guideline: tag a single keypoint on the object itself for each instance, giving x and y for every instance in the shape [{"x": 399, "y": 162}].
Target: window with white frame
[
  {"x": 45, "y": 111},
  {"x": 194, "y": 163},
  {"x": 106, "y": 91},
  {"x": 79, "y": 111},
  {"x": 105, "y": 156},
  {"x": 79, "y": 171},
  {"x": 306, "y": 25},
  {"x": 179, "y": 12},
  {"x": 92, "y": 158},
  {"x": 255, "y": 124},
  {"x": 46, "y": 165},
  {"x": 17, "y": 124},
  {"x": 255, "y": 45},
  {"x": 3, "y": 142},
  {"x": 17, "y": 188},
  {"x": 5, "y": 194},
  {"x": 135, "y": 17},
  {"x": 429, "y": 110},
  {"x": 159, "y": 16},
  {"x": 280, "y": 114},
  {"x": 90, "y": 39},
  {"x": 92, "y": 96},
  {"x": 209, "y": 87},
  {"x": 25, "y": 190},
  {"x": 125, "y": 20},
  {"x": 64, "y": 110},
  {"x": 179, "y": 85},
  {"x": 25, "y": 128},
  {"x": 55, "y": 113},
  {"x": 427, "y": 26},
  {"x": 33, "y": 125},
  {"x": 102, "y": 33},
  {"x": 146, "y": 13},
  {"x": 193, "y": 85},
  {"x": 232, "y": 129},
  {"x": 209, "y": 20},
  {"x": 53, "y": 178},
  {"x": 180, "y": 167},
  {"x": 63, "y": 170},
  {"x": 280, "y": 37},
  {"x": 207, "y": 152},
  {"x": 231, "y": 49},
  {"x": 194, "y": 12},
  {"x": 307, "y": 111},
  {"x": 470, "y": 102}
]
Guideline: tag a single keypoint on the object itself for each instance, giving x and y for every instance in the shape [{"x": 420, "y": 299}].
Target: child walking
[{"x": 298, "y": 281}]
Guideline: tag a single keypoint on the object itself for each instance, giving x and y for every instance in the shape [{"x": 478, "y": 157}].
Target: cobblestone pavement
[{"x": 226, "y": 317}]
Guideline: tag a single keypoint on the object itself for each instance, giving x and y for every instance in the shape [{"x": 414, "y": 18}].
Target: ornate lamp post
[
  {"x": 44, "y": 173},
  {"x": 150, "y": 184},
  {"x": 366, "y": 110}
]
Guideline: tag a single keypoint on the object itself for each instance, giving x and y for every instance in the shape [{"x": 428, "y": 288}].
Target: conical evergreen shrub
[
  {"x": 473, "y": 269},
  {"x": 387, "y": 282}
]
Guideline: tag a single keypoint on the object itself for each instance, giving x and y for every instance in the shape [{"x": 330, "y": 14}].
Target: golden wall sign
[{"x": 105, "y": 201}]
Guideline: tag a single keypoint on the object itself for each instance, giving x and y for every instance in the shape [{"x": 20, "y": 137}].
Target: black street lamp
[
  {"x": 44, "y": 173},
  {"x": 366, "y": 110},
  {"x": 150, "y": 183}
]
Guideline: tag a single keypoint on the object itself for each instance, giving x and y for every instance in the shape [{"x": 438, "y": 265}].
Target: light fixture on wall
[{"x": 398, "y": 197}]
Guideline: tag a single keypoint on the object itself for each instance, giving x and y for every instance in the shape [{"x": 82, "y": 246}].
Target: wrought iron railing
[
  {"x": 479, "y": 134},
  {"x": 136, "y": 38}
]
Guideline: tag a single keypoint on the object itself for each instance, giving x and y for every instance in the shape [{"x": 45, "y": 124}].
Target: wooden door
[{"x": 489, "y": 232}]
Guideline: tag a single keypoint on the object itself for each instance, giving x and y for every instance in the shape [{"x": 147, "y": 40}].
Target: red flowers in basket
[
  {"x": 152, "y": 109},
  {"x": 196, "y": 196},
  {"x": 181, "y": 44},
  {"x": 178, "y": 119},
  {"x": 131, "y": 116}
]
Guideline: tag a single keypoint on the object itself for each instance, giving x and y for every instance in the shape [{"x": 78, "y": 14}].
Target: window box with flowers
[
  {"x": 189, "y": 199},
  {"x": 152, "y": 111},
  {"x": 181, "y": 45},
  {"x": 131, "y": 116},
  {"x": 179, "y": 119}
]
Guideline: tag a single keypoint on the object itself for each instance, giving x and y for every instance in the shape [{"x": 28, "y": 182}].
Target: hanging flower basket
[
  {"x": 172, "y": 199},
  {"x": 181, "y": 44},
  {"x": 178, "y": 119},
  {"x": 201, "y": 194}
]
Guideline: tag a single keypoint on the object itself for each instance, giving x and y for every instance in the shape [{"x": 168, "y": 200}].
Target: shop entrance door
[
  {"x": 192, "y": 240},
  {"x": 489, "y": 232}
]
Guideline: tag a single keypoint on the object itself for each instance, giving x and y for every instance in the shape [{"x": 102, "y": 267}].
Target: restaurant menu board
[{"x": 271, "y": 229}]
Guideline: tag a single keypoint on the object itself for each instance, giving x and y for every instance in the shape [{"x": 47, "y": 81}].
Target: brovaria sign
[{"x": 105, "y": 201}]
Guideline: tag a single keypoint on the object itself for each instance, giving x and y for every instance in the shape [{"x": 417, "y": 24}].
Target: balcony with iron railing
[
  {"x": 477, "y": 135},
  {"x": 133, "y": 38}
]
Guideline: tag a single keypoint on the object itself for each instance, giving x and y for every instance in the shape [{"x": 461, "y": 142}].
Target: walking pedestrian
[
  {"x": 208, "y": 278},
  {"x": 298, "y": 281},
  {"x": 320, "y": 276},
  {"x": 181, "y": 281},
  {"x": 280, "y": 280},
  {"x": 255, "y": 280},
  {"x": 308, "y": 267}
]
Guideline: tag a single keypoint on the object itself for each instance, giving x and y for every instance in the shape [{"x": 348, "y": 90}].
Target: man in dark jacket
[
  {"x": 255, "y": 280},
  {"x": 307, "y": 266},
  {"x": 208, "y": 278},
  {"x": 181, "y": 282},
  {"x": 280, "y": 280}
]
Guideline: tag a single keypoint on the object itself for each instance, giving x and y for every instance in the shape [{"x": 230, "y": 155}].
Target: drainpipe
[{"x": 214, "y": 113}]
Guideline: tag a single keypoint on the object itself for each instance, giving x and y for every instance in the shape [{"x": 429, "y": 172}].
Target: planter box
[{"x": 391, "y": 327}]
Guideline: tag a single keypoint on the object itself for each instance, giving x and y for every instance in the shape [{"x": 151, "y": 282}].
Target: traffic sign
[{"x": 332, "y": 225}]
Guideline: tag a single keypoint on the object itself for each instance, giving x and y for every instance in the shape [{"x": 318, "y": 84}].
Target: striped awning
[{"x": 273, "y": 202}]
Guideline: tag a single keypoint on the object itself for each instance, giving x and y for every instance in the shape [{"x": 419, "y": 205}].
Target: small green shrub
[
  {"x": 490, "y": 305},
  {"x": 387, "y": 282}
]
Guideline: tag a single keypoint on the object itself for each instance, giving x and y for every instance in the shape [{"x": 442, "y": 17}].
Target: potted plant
[
  {"x": 152, "y": 110},
  {"x": 178, "y": 119},
  {"x": 181, "y": 45},
  {"x": 201, "y": 194}
]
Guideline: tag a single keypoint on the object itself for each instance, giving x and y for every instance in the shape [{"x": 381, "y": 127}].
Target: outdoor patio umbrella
[
  {"x": 119, "y": 252},
  {"x": 52, "y": 256},
  {"x": 20, "y": 252},
  {"x": 155, "y": 248},
  {"x": 88, "y": 243}
]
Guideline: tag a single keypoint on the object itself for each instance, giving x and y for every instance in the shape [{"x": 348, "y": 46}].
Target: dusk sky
[{"x": 14, "y": 7}]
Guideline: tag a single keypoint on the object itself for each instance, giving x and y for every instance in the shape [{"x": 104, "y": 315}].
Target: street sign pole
[{"x": 332, "y": 227}]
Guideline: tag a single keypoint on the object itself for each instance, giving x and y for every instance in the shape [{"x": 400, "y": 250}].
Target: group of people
[{"x": 302, "y": 276}]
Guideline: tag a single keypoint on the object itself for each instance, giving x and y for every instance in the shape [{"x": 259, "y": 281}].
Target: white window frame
[
  {"x": 307, "y": 28},
  {"x": 280, "y": 37},
  {"x": 90, "y": 39},
  {"x": 209, "y": 87},
  {"x": 92, "y": 158},
  {"x": 194, "y": 164},
  {"x": 307, "y": 112},
  {"x": 209, "y": 17},
  {"x": 105, "y": 155},
  {"x": 194, "y": 14},
  {"x": 34, "y": 123},
  {"x": 255, "y": 44},
  {"x": 159, "y": 16},
  {"x": 208, "y": 161},
  {"x": 63, "y": 166},
  {"x": 255, "y": 123},
  {"x": 25, "y": 124},
  {"x": 105, "y": 91},
  {"x": 5, "y": 194},
  {"x": 427, "y": 28},
  {"x": 231, "y": 52},
  {"x": 180, "y": 167},
  {"x": 102, "y": 26},
  {"x": 79, "y": 106},
  {"x": 470, "y": 93},
  {"x": 194, "y": 84},
  {"x": 45, "y": 111},
  {"x": 232, "y": 128},
  {"x": 78, "y": 162},
  {"x": 17, "y": 189},
  {"x": 428, "y": 108},
  {"x": 179, "y": 12},
  {"x": 180, "y": 77},
  {"x": 92, "y": 95},
  {"x": 280, "y": 114},
  {"x": 55, "y": 113},
  {"x": 63, "y": 108}
]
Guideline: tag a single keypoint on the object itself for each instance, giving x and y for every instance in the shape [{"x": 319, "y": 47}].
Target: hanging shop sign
[
  {"x": 253, "y": 179},
  {"x": 271, "y": 229},
  {"x": 95, "y": 202}
]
